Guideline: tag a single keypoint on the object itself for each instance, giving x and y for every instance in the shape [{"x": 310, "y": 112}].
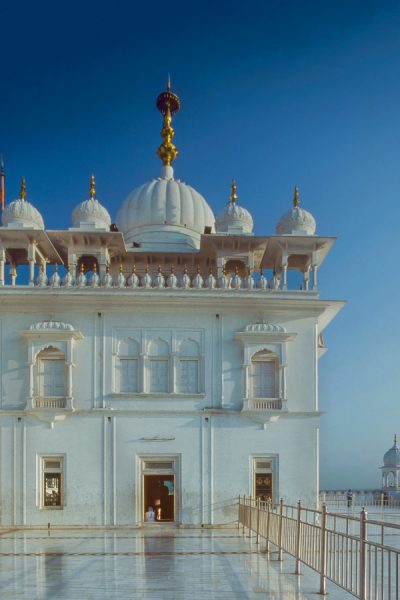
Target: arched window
[
  {"x": 188, "y": 367},
  {"x": 264, "y": 375},
  {"x": 50, "y": 380},
  {"x": 128, "y": 366},
  {"x": 159, "y": 379}
]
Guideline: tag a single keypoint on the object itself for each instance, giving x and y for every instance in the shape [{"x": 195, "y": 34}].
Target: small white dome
[
  {"x": 296, "y": 221},
  {"x": 91, "y": 214},
  {"x": 234, "y": 219},
  {"x": 165, "y": 213},
  {"x": 21, "y": 213}
]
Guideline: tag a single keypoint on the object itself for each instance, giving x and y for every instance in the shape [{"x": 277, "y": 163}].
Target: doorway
[
  {"x": 159, "y": 495},
  {"x": 159, "y": 482}
]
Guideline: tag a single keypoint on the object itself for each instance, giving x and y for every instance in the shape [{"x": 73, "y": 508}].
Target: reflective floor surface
[{"x": 149, "y": 563}]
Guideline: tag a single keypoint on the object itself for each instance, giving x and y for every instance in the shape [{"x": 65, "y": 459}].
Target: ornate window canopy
[
  {"x": 264, "y": 332},
  {"x": 51, "y": 330}
]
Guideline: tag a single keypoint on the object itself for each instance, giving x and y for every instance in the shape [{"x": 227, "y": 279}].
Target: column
[
  {"x": 284, "y": 276},
  {"x": 13, "y": 273},
  {"x": 174, "y": 374},
  {"x": 31, "y": 386},
  {"x": 246, "y": 403},
  {"x": 2, "y": 263},
  {"x": 306, "y": 279},
  {"x": 31, "y": 260},
  {"x": 314, "y": 271}
]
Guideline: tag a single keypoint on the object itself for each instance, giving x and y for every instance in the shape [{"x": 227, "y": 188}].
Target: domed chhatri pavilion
[
  {"x": 391, "y": 470},
  {"x": 167, "y": 361}
]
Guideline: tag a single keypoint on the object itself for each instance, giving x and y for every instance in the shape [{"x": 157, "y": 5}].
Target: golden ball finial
[
  {"x": 296, "y": 199},
  {"x": 233, "y": 195},
  {"x": 168, "y": 104},
  {"x": 22, "y": 189},
  {"x": 92, "y": 187}
]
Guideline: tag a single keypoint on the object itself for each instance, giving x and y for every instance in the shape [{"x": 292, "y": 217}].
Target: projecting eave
[
  {"x": 88, "y": 241},
  {"x": 302, "y": 250},
  {"x": 17, "y": 241},
  {"x": 331, "y": 309}
]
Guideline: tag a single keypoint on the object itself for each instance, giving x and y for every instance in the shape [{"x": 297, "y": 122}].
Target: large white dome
[{"x": 165, "y": 213}]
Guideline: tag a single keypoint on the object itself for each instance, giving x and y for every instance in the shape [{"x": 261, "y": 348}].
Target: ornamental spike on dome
[
  {"x": 168, "y": 104},
  {"x": 92, "y": 187},
  {"x": 296, "y": 199},
  {"x": 22, "y": 189},
  {"x": 233, "y": 195}
]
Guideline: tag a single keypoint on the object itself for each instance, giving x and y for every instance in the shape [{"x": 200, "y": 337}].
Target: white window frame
[
  {"x": 43, "y": 469},
  {"x": 273, "y": 459},
  {"x": 48, "y": 356},
  {"x": 41, "y": 336},
  {"x": 264, "y": 358}
]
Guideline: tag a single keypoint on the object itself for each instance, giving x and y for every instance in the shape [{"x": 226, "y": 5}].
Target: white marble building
[{"x": 171, "y": 361}]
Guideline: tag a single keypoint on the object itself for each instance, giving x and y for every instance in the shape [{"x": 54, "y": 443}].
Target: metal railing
[{"x": 361, "y": 556}]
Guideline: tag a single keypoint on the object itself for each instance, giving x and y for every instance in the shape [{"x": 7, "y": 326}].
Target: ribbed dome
[
  {"x": 21, "y": 213},
  {"x": 165, "y": 210},
  {"x": 296, "y": 221},
  {"x": 90, "y": 213},
  {"x": 392, "y": 456},
  {"x": 234, "y": 219}
]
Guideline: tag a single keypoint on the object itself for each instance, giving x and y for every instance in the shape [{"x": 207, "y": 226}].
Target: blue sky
[{"x": 273, "y": 93}]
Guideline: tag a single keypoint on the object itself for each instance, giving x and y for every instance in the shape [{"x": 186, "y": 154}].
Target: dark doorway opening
[{"x": 159, "y": 494}]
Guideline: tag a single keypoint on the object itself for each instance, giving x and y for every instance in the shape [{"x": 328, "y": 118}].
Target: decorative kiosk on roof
[
  {"x": 176, "y": 356},
  {"x": 391, "y": 470}
]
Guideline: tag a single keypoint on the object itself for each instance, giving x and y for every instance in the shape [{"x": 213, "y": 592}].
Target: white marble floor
[{"x": 149, "y": 563}]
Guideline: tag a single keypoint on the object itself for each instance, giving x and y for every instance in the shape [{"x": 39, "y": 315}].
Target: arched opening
[{"x": 234, "y": 265}]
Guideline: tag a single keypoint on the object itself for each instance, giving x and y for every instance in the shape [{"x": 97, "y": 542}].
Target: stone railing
[{"x": 256, "y": 281}]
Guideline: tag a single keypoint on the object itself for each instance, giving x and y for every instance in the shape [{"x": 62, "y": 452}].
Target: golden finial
[
  {"x": 120, "y": 267},
  {"x": 172, "y": 268},
  {"x": 159, "y": 269},
  {"x": 234, "y": 195},
  {"x": 296, "y": 199},
  {"x": 22, "y": 189},
  {"x": 82, "y": 268},
  {"x": 198, "y": 269},
  {"x": 92, "y": 188},
  {"x": 134, "y": 268},
  {"x": 107, "y": 268},
  {"x": 94, "y": 267},
  {"x": 168, "y": 104}
]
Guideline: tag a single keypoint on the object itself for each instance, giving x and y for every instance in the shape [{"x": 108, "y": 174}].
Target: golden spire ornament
[
  {"x": 92, "y": 187},
  {"x": 168, "y": 104},
  {"x": 22, "y": 189},
  {"x": 233, "y": 196},
  {"x": 296, "y": 199}
]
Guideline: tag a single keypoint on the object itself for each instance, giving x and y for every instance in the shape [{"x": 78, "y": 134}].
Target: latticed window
[
  {"x": 51, "y": 373},
  {"x": 128, "y": 375},
  {"x": 188, "y": 380},
  {"x": 263, "y": 375},
  {"x": 158, "y": 375}
]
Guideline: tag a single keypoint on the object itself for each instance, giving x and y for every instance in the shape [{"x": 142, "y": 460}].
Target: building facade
[{"x": 156, "y": 369}]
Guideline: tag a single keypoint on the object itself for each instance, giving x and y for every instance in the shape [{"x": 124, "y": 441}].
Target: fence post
[
  {"x": 298, "y": 534},
  {"x": 250, "y": 501},
  {"x": 258, "y": 521},
  {"x": 363, "y": 538},
  {"x": 280, "y": 557},
  {"x": 244, "y": 512},
  {"x": 267, "y": 532},
  {"x": 239, "y": 512},
  {"x": 322, "y": 553}
]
